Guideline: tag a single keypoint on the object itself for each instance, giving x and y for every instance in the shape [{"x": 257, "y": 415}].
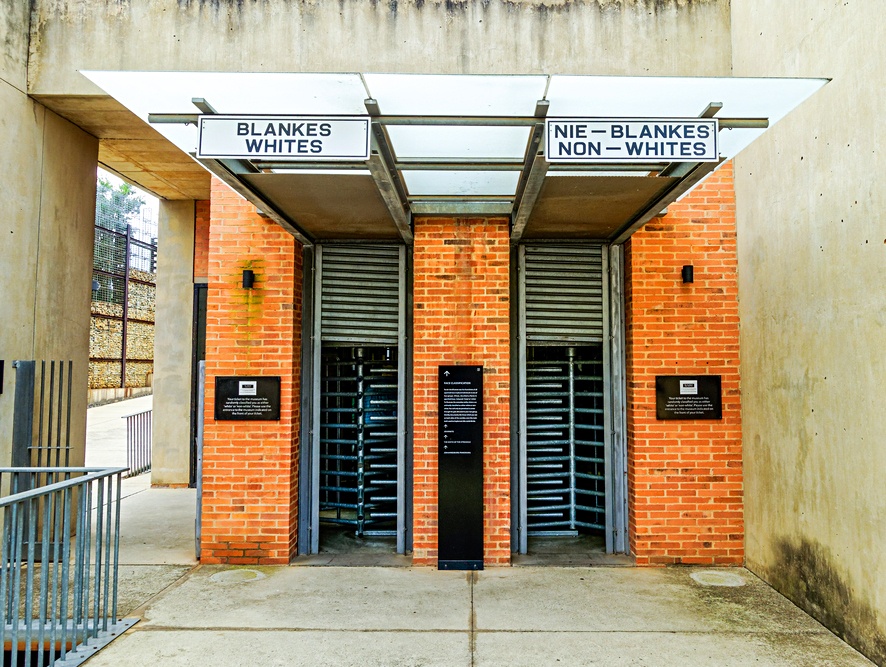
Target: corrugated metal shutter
[
  {"x": 564, "y": 293},
  {"x": 360, "y": 294}
]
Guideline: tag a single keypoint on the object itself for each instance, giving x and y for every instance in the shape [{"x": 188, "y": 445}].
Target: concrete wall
[
  {"x": 49, "y": 169},
  {"x": 173, "y": 337},
  {"x": 812, "y": 268},
  {"x": 469, "y": 37}
]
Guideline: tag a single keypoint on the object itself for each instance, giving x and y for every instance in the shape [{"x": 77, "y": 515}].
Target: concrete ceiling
[{"x": 131, "y": 148}]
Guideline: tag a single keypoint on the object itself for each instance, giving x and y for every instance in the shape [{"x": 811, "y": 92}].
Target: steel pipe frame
[{"x": 386, "y": 169}]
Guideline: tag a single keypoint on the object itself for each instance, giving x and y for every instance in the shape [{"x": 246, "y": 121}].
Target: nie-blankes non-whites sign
[
  {"x": 295, "y": 138},
  {"x": 613, "y": 140}
]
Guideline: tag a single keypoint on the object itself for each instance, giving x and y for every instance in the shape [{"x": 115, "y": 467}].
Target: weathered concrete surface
[
  {"x": 812, "y": 265},
  {"x": 354, "y": 599},
  {"x": 283, "y": 648},
  {"x": 14, "y": 28},
  {"x": 159, "y": 526},
  {"x": 173, "y": 344},
  {"x": 48, "y": 166},
  {"x": 639, "y": 37},
  {"x": 399, "y": 616},
  {"x": 470, "y": 37}
]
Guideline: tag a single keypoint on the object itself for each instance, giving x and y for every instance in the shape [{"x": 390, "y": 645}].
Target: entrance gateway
[
  {"x": 354, "y": 473},
  {"x": 561, "y": 169}
]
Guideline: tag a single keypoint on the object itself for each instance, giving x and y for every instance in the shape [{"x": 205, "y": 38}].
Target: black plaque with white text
[
  {"x": 460, "y": 472},
  {"x": 247, "y": 398},
  {"x": 688, "y": 397}
]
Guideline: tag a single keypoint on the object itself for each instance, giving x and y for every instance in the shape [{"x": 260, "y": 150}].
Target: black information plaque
[
  {"x": 247, "y": 398},
  {"x": 460, "y": 471},
  {"x": 688, "y": 397}
]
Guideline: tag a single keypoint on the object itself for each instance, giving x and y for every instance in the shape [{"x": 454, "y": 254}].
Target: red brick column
[
  {"x": 250, "y": 470},
  {"x": 461, "y": 316},
  {"x": 685, "y": 477}
]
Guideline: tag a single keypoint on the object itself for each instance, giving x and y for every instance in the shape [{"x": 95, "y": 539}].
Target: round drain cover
[
  {"x": 718, "y": 578},
  {"x": 236, "y": 576}
]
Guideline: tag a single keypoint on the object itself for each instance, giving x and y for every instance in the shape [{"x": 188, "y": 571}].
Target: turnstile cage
[
  {"x": 358, "y": 439},
  {"x": 565, "y": 478}
]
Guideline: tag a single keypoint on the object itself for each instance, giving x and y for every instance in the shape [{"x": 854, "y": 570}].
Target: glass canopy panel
[
  {"x": 680, "y": 97},
  {"x": 410, "y": 141},
  {"x": 230, "y": 93},
  {"x": 461, "y": 183},
  {"x": 456, "y": 95}
]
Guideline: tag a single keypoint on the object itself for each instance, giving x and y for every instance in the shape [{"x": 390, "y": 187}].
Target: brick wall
[
  {"x": 250, "y": 470},
  {"x": 685, "y": 477},
  {"x": 460, "y": 316},
  {"x": 201, "y": 239}
]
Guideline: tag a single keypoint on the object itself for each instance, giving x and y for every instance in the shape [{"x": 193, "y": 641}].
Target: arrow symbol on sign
[{"x": 445, "y": 372}]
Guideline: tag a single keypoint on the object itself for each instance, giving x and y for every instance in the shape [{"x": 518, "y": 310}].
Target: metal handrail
[
  {"x": 138, "y": 442},
  {"x": 59, "y": 555}
]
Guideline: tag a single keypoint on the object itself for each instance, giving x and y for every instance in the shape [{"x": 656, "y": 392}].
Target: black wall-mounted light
[
  {"x": 248, "y": 278},
  {"x": 687, "y": 274}
]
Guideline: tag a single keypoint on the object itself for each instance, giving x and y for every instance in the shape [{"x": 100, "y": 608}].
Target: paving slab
[
  {"x": 157, "y": 525},
  {"x": 630, "y": 599},
  {"x": 137, "y": 584},
  {"x": 357, "y": 599},
  {"x": 664, "y": 649},
  {"x": 106, "y": 431},
  {"x": 231, "y": 648}
]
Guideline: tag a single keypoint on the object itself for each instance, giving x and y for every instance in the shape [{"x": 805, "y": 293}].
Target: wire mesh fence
[{"x": 123, "y": 291}]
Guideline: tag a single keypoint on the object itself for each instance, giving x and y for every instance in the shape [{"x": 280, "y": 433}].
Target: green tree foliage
[{"x": 116, "y": 206}]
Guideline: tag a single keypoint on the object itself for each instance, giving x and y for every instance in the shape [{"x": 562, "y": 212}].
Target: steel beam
[
  {"x": 388, "y": 182},
  {"x": 471, "y": 208},
  {"x": 653, "y": 208},
  {"x": 479, "y": 121},
  {"x": 535, "y": 168},
  {"x": 222, "y": 171}
]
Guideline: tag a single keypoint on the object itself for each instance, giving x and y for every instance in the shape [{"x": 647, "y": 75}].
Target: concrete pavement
[{"x": 318, "y": 616}]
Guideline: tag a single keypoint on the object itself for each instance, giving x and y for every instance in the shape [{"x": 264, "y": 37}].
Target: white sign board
[
  {"x": 287, "y": 138},
  {"x": 613, "y": 140}
]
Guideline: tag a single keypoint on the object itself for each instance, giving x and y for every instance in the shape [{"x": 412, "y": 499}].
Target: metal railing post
[{"x": 23, "y": 412}]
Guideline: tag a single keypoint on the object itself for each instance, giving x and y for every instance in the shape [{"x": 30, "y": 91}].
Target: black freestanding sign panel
[{"x": 460, "y": 465}]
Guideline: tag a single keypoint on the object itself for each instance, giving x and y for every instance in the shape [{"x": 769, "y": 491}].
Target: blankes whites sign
[
  {"x": 613, "y": 140},
  {"x": 287, "y": 138}
]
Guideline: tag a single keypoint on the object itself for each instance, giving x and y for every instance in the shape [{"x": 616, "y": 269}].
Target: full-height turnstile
[
  {"x": 356, "y": 460},
  {"x": 565, "y": 465}
]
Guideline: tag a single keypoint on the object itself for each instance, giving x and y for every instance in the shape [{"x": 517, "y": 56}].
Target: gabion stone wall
[{"x": 106, "y": 336}]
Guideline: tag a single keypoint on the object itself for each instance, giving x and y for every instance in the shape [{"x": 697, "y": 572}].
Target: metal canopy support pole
[
  {"x": 618, "y": 401},
  {"x": 305, "y": 454},
  {"x": 316, "y": 388},
  {"x": 609, "y": 457},
  {"x": 224, "y": 172},
  {"x": 401, "y": 406},
  {"x": 521, "y": 362},
  {"x": 516, "y": 503},
  {"x": 387, "y": 181}
]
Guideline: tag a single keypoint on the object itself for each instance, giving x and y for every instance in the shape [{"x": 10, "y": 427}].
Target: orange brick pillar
[
  {"x": 250, "y": 470},
  {"x": 461, "y": 316},
  {"x": 685, "y": 477}
]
